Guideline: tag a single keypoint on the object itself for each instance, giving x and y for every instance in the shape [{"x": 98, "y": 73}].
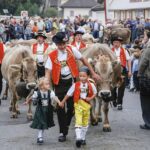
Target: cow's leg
[
  {"x": 11, "y": 105},
  {"x": 10, "y": 97},
  {"x": 17, "y": 108},
  {"x": 14, "y": 111},
  {"x": 94, "y": 120},
  {"x": 98, "y": 110},
  {"x": 5, "y": 93},
  {"x": 106, "y": 125},
  {"x": 29, "y": 114}
]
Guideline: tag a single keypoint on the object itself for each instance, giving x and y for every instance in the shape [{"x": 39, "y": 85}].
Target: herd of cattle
[{"x": 20, "y": 72}]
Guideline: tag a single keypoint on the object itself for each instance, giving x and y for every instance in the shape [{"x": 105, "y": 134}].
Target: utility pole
[{"x": 105, "y": 10}]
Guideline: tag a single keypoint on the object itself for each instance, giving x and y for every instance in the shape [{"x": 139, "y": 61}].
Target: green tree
[
  {"x": 32, "y": 9},
  {"x": 51, "y": 12},
  {"x": 19, "y": 9}
]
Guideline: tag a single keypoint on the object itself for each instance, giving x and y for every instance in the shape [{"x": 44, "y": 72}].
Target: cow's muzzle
[
  {"x": 104, "y": 94},
  {"x": 31, "y": 85}
]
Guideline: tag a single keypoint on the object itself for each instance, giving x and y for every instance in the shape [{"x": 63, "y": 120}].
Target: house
[
  {"x": 57, "y": 3},
  {"x": 123, "y": 9},
  {"x": 74, "y": 8},
  {"x": 98, "y": 13}
]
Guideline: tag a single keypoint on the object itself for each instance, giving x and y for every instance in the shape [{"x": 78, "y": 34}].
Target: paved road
[{"x": 126, "y": 134}]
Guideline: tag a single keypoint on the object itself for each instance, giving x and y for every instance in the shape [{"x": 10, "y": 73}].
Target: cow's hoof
[
  {"x": 14, "y": 115},
  {"x": 100, "y": 120},
  {"x": 10, "y": 108},
  {"x": 94, "y": 123},
  {"x": 106, "y": 129},
  {"x": 29, "y": 117},
  {"x": 18, "y": 112},
  {"x": 4, "y": 97}
]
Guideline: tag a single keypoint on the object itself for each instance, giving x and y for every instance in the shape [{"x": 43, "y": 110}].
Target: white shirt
[
  {"x": 96, "y": 26},
  {"x": 40, "y": 25},
  {"x": 53, "y": 97},
  {"x": 62, "y": 27},
  {"x": 84, "y": 90},
  {"x": 78, "y": 45},
  {"x": 117, "y": 52},
  {"x": 62, "y": 56},
  {"x": 35, "y": 94},
  {"x": 40, "y": 53}
]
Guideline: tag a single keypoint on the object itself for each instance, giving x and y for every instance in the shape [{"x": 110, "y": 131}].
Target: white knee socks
[
  {"x": 40, "y": 133},
  {"x": 83, "y": 133},
  {"x": 78, "y": 131}
]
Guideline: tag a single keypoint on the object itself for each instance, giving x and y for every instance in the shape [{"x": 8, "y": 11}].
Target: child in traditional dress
[
  {"x": 43, "y": 118},
  {"x": 83, "y": 92}
]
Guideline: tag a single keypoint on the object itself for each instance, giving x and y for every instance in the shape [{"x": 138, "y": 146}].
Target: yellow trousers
[{"x": 82, "y": 113}]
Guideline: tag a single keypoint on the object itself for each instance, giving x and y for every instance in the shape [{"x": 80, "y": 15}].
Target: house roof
[
  {"x": 53, "y": 3},
  {"x": 79, "y": 4},
  {"x": 126, "y": 5},
  {"x": 98, "y": 7}
]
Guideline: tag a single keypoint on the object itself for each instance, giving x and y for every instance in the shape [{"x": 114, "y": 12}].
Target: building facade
[
  {"x": 123, "y": 9},
  {"x": 86, "y": 8}
]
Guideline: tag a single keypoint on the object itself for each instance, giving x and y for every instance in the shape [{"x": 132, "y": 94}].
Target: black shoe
[
  {"x": 145, "y": 127},
  {"x": 119, "y": 107},
  {"x": 40, "y": 140},
  {"x": 114, "y": 104},
  {"x": 78, "y": 143},
  {"x": 62, "y": 138},
  {"x": 83, "y": 142}
]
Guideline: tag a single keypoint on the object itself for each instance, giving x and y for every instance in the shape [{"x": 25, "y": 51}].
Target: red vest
[
  {"x": 82, "y": 44},
  {"x": 77, "y": 91},
  {"x": 122, "y": 56},
  {"x": 34, "y": 50},
  {"x": 1, "y": 52},
  {"x": 56, "y": 65}
]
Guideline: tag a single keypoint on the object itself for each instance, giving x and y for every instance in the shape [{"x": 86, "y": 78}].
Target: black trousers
[
  {"x": 64, "y": 115},
  {"x": 118, "y": 96},
  {"x": 136, "y": 80},
  {"x": 145, "y": 106},
  {"x": 40, "y": 71}
]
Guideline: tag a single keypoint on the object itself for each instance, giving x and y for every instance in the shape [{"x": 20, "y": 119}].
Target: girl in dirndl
[
  {"x": 43, "y": 118},
  {"x": 83, "y": 92}
]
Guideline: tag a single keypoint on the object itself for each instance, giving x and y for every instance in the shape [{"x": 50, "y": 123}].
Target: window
[
  {"x": 71, "y": 13},
  {"x": 139, "y": 13}
]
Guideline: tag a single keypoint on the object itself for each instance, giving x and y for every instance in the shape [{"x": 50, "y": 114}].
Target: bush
[{"x": 51, "y": 12}]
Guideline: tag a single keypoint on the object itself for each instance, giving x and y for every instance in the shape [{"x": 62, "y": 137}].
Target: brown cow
[
  {"x": 124, "y": 33},
  {"x": 20, "y": 71},
  {"x": 104, "y": 63}
]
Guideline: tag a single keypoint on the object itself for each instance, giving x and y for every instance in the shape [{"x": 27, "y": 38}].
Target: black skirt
[{"x": 43, "y": 118}]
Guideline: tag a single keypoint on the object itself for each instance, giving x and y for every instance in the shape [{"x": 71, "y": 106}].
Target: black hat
[
  {"x": 85, "y": 69},
  {"x": 40, "y": 34},
  {"x": 78, "y": 32},
  {"x": 60, "y": 37},
  {"x": 116, "y": 38}
]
